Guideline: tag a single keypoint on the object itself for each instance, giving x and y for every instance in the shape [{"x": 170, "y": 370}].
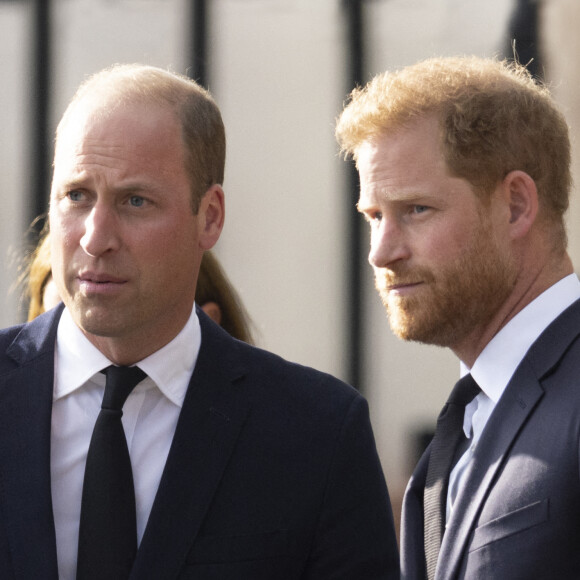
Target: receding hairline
[
  {"x": 196, "y": 113},
  {"x": 121, "y": 84}
]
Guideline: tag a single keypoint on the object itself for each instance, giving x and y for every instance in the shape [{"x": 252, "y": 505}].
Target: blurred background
[{"x": 280, "y": 71}]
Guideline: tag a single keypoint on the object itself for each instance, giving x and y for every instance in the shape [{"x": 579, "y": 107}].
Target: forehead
[
  {"x": 408, "y": 165},
  {"x": 420, "y": 139},
  {"x": 406, "y": 154},
  {"x": 106, "y": 121},
  {"x": 137, "y": 132}
]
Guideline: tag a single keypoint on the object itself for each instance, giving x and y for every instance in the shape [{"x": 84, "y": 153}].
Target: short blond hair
[
  {"x": 494, "y": 119},
  {"x": 198, "y": 115}
]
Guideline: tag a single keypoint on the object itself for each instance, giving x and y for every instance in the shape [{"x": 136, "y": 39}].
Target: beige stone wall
[
  {"x": 560, "y": 44},
  {"x": 15, "y": 135}
]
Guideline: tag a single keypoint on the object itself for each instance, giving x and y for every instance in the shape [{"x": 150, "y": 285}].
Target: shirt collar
[
  {"x": 170, "y": 368},
  {"x": 499, "y": 360}
]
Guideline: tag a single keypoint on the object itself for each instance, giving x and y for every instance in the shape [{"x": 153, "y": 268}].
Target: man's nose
[
  {"x": 388, "y": 244},
  {"x": 102, "y": 231}
]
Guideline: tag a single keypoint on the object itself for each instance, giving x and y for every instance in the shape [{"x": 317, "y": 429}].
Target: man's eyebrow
[
  {"x": 82, "y": 183},
  {"x": 132, "y": 187},
  {"x": 70, "y": 184}
]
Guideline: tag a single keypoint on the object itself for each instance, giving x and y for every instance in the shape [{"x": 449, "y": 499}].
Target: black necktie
[
  {"x": 108, "y": 524},
  {"x": 448, "y": 435}
]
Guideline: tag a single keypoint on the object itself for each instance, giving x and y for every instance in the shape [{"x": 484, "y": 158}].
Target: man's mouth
[{"x": 99, "y": 282}]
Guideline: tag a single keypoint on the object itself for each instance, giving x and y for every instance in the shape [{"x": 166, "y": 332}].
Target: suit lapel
[
  {"x": 211, "y": 419},
  {"x": 519, "y": 400},
  {"x": 25, "y": 417}
]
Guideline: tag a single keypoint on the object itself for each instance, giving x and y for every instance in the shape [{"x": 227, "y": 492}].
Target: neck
[
  {"x": 129, "y": 350},
  {"x": 529, "y": 285}
]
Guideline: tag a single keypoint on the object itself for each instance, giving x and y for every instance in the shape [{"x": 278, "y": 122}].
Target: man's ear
[
  {"x": 211, "y": 216},
  {"x": 521, "y": 195}
]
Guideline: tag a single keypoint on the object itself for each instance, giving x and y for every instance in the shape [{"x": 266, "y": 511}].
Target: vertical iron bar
[
  {"x": 40, "y": 105},
  {"x": 523, "y": 37},
  {"x": 198, "y": 51},
  {"x": 355, "y": 326}
]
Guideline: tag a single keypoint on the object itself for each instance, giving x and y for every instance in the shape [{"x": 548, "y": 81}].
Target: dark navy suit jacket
[
  {"x": 272, "y": 473},
  {"x": 518, "y": 514}
]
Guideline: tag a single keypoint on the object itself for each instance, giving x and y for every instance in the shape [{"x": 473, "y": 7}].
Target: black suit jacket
[
  {"x": 518, "y": 514},
  {"x": 272, "y": 473}
]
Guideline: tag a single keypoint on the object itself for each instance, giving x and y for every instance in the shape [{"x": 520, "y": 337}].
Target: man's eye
[
  {"x": 420, "y": 208},
  {"x": 75, "y": 195},
  {"x": 136, "y": 201}
]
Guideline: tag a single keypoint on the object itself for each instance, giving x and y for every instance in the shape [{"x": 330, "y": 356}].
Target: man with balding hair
[{"x": 138, "y": 439}]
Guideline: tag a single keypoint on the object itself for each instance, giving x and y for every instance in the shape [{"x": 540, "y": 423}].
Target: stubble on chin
[
  {"x": 447, "y": 308},
  {"x": 413, "y": 320}
]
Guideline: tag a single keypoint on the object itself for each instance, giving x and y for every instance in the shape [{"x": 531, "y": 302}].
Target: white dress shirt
[
  {"x": 149, "y": 419},
  {"x": 498, "y": 361}
]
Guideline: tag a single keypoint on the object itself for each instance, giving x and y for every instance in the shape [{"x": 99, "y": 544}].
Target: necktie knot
[
  {"x": 464, "y": 391},
  {"x": 120, "y": 382}
]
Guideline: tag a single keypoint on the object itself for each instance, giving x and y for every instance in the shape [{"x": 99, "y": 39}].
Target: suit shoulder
[
  {"x": 7, "y": 337},
  {"x": 267, "y": 376},
  {"x": 275, "y": 371},
  {"x": 559, "y": 341},
  {"x": 23, "y": 343},
  {"x": 8, "y": 334}
]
